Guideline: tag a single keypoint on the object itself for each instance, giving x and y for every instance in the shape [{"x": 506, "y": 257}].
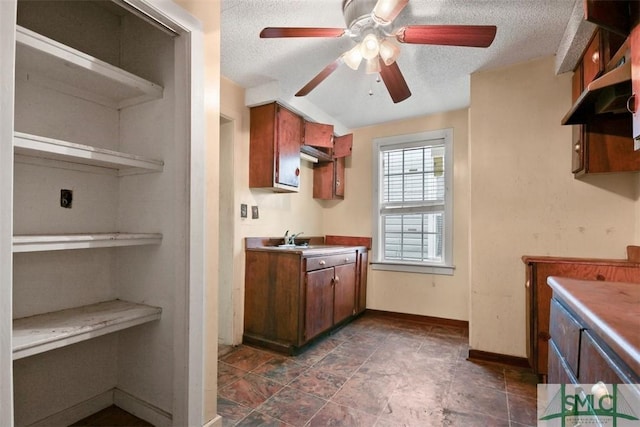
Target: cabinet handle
[
  {"x": 595, "y": 58},
  {"x": 527, "y": 284},
  {"x": 632, "y": 111},
  {"x": 322, "y": 262},
  {"x": 336, "y": 279},
  {"x": 346, "y": 260},
  {"x": 577, "y": 147},
  {"x": 297, "y": 171}
]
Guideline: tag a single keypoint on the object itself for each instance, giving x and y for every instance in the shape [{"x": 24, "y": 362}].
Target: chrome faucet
[{"x": 290, "y": 240}]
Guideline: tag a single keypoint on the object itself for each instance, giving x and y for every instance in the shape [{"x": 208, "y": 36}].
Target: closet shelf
[
  {"x": 55, "y": 149},
  {"x": 44, "y": 332},
  {"x": 51, "y": 242},
  {"x": 47, "y": 62}
]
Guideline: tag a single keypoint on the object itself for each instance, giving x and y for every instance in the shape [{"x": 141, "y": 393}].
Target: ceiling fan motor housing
[{"x": 357, "y": 15}]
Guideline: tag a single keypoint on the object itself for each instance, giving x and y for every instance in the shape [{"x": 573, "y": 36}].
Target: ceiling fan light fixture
[
  {"x": 373, "y": 65},
  {"x": 369, "y": 47},
  {"x": 385, "y": 11},
  {"x": 353, "y": 57},
  {"x": 389, "y": 52}
]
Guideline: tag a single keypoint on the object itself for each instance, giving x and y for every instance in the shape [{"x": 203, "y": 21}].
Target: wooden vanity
[
  {"x": 595, "y": 332},
  {"x": 295, "y": 294}
]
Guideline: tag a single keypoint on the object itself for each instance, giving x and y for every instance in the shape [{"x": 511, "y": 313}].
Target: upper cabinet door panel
[
  {"x": 342, "y": 145},
  {"x": 289, "y": 137},
  {"x": 318, "y": 135}
]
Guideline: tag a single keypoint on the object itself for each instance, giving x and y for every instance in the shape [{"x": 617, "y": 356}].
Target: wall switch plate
[
  {"x": 254, "y": 212},
  {"x": 243, "y": 210},
  {"x": 66, "y": 198}
]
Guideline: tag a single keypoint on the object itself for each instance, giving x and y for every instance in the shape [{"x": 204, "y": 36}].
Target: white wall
[{"x": 524, "y": 199}]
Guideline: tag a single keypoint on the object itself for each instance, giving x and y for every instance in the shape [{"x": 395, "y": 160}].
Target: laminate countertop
[
  {"x": 308, "y": 250},
  {"x": 610, "y": 309}
]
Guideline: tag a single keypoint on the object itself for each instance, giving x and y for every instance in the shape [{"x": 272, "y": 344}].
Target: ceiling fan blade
[
  {"x": 387, "y": 10},
  {"x": 276, "y": 32},
  {"x": 450, "y": 35},
  {"x": 394, "y": 81},
  {"x": 319, "y": 78}
]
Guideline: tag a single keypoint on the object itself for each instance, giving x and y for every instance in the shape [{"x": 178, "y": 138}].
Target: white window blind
[{"x": 413, "y": 199}]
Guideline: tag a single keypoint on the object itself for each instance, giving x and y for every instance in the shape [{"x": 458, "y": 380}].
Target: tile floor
[{"x": 375, "y": 371}]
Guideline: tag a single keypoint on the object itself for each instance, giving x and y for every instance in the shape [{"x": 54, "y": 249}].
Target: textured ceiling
[{"x": 438, "y": 76}]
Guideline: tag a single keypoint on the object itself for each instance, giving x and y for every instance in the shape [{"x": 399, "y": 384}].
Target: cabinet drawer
[
  {"x": 596, "y": 365},
  {"x": 565, "y": 333},
  {"x": 315, "y": 263}
]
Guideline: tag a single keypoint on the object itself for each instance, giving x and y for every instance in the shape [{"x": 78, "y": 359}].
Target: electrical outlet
[
  {"x": 254, "y": 212},
  {"x": 66, "y": 198},
  {"x": 243, "y": 210}
]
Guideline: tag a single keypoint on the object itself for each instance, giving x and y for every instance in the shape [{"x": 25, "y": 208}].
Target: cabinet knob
[
  {"x": 297, "y": 171},
  {"x": 346, "y": 260},
  {"x": 527, "y": 284},
  {"x": 595, "y": 58},
  {"x": 576, "y": 147},
  {"x": 336, "y": 279},
  {"x": 322, "y": 262}
]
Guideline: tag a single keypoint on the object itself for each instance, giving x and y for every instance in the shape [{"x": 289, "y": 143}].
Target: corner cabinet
[
  {"x": 275, "y": 136},
  {"x": 99, "y": 132},
  {"x": 295, "y": 295}
]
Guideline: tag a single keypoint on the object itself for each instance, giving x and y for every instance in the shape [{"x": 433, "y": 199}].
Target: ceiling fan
[{"x": 369, "y": 24}]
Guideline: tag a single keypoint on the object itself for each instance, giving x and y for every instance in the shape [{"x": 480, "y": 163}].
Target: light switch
[
  {"x": 254, "y": 212},
  {"x": 243, "y": 210}
]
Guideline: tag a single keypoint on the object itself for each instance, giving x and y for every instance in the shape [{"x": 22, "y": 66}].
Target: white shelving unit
[
  {"x": 57, "y": 242},
  {"x": 37, "y": 334},
  {"x": 54, "y": 149},
  {"x": 82, "y": 104},
  {"x": 62, "y": 68}
]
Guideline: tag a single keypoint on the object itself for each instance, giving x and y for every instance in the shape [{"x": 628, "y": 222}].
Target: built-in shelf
[
  {"x": 314, "y": 155},
  {"x": 46, "y": 62},
  {"x": 55, "y": 149},
  {"x": 45, "y": 332},
  {"x": 57, "y": 242}
]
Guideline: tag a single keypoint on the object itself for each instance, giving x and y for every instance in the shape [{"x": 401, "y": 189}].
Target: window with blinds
[{"x": 412, "y": 199}]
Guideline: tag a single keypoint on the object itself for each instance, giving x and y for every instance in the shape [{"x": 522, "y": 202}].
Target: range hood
[{"x": 606, "y": 94}]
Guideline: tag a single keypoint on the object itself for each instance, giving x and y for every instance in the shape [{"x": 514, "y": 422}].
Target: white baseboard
[
  {"x": 77, "y": 412},
  {"x": 141, "y": 409},
  {"x": 216, "y": 422},
  {"x": 115, "y": 396}
]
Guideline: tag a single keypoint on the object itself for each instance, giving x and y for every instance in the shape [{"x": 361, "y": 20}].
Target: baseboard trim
[
  {"x": 77, "y": 412},
  {"x": 504, "y": 359},
  {"x": 419, "y": 318},
  {"x": 216, "y": 422},
  {"x": 141, "y": 408}
]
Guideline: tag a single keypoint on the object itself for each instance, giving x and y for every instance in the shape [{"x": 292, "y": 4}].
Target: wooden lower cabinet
[
  {"x": 538, "y": 294},
  {"x": 293, "y": 296},
  {"x": 584, "y": 338}
]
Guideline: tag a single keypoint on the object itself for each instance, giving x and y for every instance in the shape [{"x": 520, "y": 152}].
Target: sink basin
[{"x": 305, "y": 246}]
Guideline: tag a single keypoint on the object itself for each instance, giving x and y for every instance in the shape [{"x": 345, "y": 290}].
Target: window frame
[{"x": 420, "y": 139}]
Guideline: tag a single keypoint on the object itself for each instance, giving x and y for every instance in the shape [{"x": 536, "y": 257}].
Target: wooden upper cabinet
[
  {"x": 635, "y": 82},
  {"x": 275, "y": 136},
  {"x": 614, "y": 15},
  {"x": 342, "y": 145},
  {"x": 328, "y": 180},
  {"x": 318, "y": 135}
]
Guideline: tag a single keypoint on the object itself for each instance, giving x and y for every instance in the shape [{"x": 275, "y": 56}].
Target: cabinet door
[
  {"x": 323, "y": 180},
  {"x": 318, "y": 135},
  {"x": 596, "y": 365},
  {"x": 635, "y": 80},
  {"x": 345, "y": 292},
  {"x": 592, "y": 64},
  {"x": 338, "y": 183},
  {"x": 342, "y": 145},
  {"x": 559, "y": 372},
  {"x": 318, "y": 303},
  {"x": 361, "y": 291},
  {"x": 288, "y": 141}
]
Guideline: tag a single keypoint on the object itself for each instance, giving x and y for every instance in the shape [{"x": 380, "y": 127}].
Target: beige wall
[
  {"x": 524, "y": 200},
  {"x": 208, "y": 13},
  {"x": 422, "y": 294}
]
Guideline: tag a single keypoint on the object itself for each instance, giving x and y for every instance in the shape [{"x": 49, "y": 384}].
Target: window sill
[{"x": 446, "y": 270}]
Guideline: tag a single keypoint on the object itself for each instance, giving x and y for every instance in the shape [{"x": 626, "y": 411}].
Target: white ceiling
[{"x": 438, "y": 76}]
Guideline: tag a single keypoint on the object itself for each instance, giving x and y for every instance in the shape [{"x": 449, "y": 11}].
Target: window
[{"x": 413, "y": 202}]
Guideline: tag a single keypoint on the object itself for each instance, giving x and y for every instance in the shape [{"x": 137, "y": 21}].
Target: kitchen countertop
[
  {"x": 610, "y": 309},
  {"x": 307, "y": 250}
]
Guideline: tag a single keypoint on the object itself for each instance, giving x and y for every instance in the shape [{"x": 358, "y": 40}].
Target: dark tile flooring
[{"x": 375, "y": 371}]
